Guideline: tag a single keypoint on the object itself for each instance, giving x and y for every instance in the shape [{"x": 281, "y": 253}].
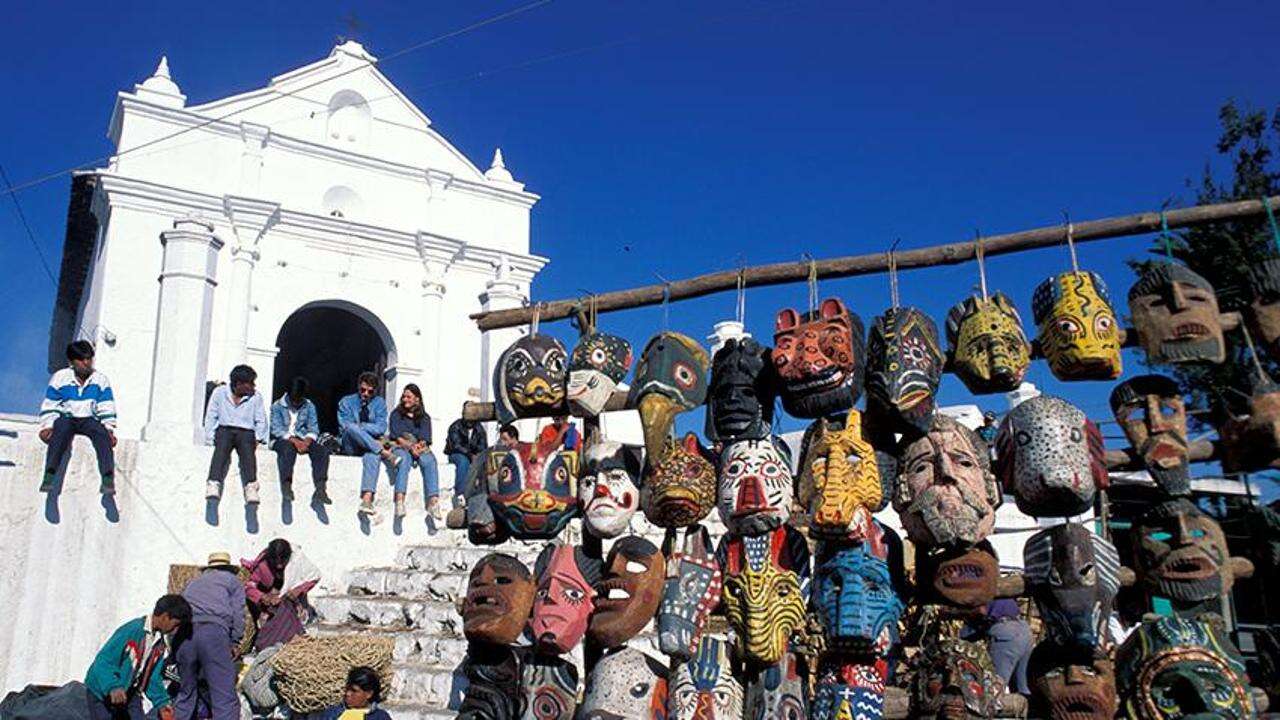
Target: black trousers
[
  {"x": 287, "y": 455},
  {"x": 65, "y": 428},
  {"x": 100, "y": 709},
  {"x": 244, "y": 442}
]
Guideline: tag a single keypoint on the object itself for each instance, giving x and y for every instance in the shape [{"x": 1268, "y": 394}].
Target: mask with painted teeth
[
  {"x": 820, "y": 358},
  {"x": 629, "y": 592},
  {"x": 766, "y": 582},
  {"x": 960, "y": 578},
  {"x": 1078, "y": 332},
  {"x": 1050, "y": 457},
  {"x": 533, "y": 492},
  {"x": 1182, "y": 554},
  {"x": 1074, "y": 576},
  {"x": 1151, "y": 411},
  {"x": 499, "y": 597},
  {"x": 1071, "y": 685},
  {"x": 1175, "y": 668},
  {"x": 680, "y": 484},
  {"x": 625, "y": 684},
  {"x": 754, "y": 490},
  {"x": 904, "y": 367},
  {"x": 529, "y": 379},
  {"x": 989, "y": 350},
  {"x": 855, "y": 591},
  {"x": 955, "y": 680},
  {"x": 1175, "y": 313},
  {"x": 598, "y": 364}
]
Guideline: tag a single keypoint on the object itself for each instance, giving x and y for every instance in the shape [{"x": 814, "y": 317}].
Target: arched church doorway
[{"x": 330, "y": 344}]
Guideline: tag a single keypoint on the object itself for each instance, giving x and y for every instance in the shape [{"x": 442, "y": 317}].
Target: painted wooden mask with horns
[
  {"x": 990, "y": 352},
  {"x": 820, "y": 358},
  {"x": 904, "y": 366}
]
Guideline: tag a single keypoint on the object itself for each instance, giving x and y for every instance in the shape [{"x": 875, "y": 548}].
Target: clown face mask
[
  {"x": 1253, "y": 442},
  {"x": 564, "y": 599},
  {"x": 705, "y": 687},
  {"x": 820, "y": 358},
  {"x": 1182, "y": 553},
  {"x": 598, "y": 364},
  {"x": 608, "y": 491},
  {"x": 741, "y": 393},
  {"x": 1175, "y": 312},
  {"x": 1051, "y": 457},
  {"x": 904, "y": 366},
  {"x": 1071, "y": 686},
  {"x": 842, "y": 480},
  {"x": 528, "y": 380},
  {"x": 533, "y": 493},
  {"x": 1151, "y": 411},
  {"x": 499, "y": 597},
  {"x": 671, "y": 378},
  {"x": 946, "y": 493},
  {"x": 1074, "y": 576},
  {"x": 550, "y": 686},
  {"x": 493, "y": 684},
  {"x": 990, "y": 353},
  {"x": 847, "y": 690},
  {"x": 680, "y": 484},
  {"x": 777, "y": 692},
  {"x": 955, "y": 680},
  {"x": 766, "y": 580},
  {"x": 629, "y": 592},
  {"x": 855, "y": 592},
  {"x": 1078, "y": 332},
  {"x": 960, "y": 578},
  {"x": 625, "y": 683},
  {"x": 690, "y": 592},
  {"x": 1175, "y": 668},
  {"x": 1263, "y": 313},
  {"x": 755, "y": 489}
]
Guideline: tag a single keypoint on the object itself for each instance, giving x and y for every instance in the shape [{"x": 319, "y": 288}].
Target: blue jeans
[
  {"x": 461, "y": 465},
  {"x": 356, "y": 440},
  {"x": 426, "y": 462}
]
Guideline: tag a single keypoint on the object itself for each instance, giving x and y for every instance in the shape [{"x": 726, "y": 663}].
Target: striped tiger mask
[{"x": 766, "y": 581}]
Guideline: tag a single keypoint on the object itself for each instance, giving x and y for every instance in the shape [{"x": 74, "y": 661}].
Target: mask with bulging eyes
[
  {"x": 1182, "y": 554},
  {"x": 628, "y": 593},
  {"x": 843, "y": 480},
  {"x": 766, "y": 583},
  {"x": 671, "y": 378},
  {"x": 706, "y": 687},
  {"x": 904, "y": 367},
  {"x": 493, "y": 690},
  {"x": 960, "y": 578},
  {"x": 955, "y": 680},
  {"x": 689, "y": 594},
  {"x": 1151, "y": 411},
  {"x": 855, "y": 591},
  {"x": 1175, "y": 313},
  {"x": 1051, "y": 457},
  {"x": 1067, "y": 685},
  {"x": 777, "y": 692},
  {"x": 989, "y": 350},
  {"x": 598, "y": 364},
  {"x": 820, "y": 358},
  {"x": 499, "y": 597},
  {"x": 550, "y": 686},
  {"x": 608, "y": 491},
  {"x": 755, "y": 489},
  {"x": 946, "y": 493},
  {"x": 625, "y": 684},
  {"x": 564, "y": 599},
  {"x": 1078, "y": 331},
  {"x": 1175, "y": 668},
  {"x": 529, "y": 379},
  {"x": 679, "y": 485},
  {"x": 848, "y": 689},
  {"x": 533, "y": 492},
  {"x": 741, "y": 393},
  {"x": 1074, "y": 576}
]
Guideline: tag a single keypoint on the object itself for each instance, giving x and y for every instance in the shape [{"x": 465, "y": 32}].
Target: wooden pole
[{"x": 852, "y": 265}]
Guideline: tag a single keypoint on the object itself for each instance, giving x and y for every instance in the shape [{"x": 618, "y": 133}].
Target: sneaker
[
  {"x": 400, "y": 511},
  {"x": 433, "y": 506},
  {"x": 392, "y": 460},
  {"x": 213, "y": 490},
  {"x": 320, "y": 496},
  {"x": 251, "y": 494},
  {"x": 108, "y": 486},
  {"x": 459, "y": 502},
  {"x": 366, "y": 508},
  {"x": 46, "y": 485},
  {"x": 286, "y": 489}
]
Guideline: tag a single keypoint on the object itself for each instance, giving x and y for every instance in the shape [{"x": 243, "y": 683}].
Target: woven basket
[{"x": 311, "y": 673}]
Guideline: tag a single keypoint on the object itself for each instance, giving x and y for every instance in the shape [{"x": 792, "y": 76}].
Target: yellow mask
[
  {"x": 990, "y": 352},
  {"x": 840, "y": 479},
  {"x": 762, "y": 595},
  {"x": 1078, "y": 331}
]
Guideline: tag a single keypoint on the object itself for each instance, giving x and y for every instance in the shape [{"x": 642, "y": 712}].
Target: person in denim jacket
[
  {"x": 362, "y": 422},
  {"x": 295, "y": 430}
]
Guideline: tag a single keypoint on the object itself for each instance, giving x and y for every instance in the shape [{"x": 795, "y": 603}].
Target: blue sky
[{"x": 717, "y": 133}]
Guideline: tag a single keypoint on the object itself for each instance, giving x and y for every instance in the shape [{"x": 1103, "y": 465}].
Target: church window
[
  {"x": 341, "y": 201},
  {"x": 348, "y": 119}
]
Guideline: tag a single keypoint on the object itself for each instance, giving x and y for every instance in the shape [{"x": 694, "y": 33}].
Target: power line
[{"x": 27, "y": 226}]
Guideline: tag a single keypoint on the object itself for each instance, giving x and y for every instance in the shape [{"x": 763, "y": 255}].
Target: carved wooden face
[
  {"x": 1071, "y": 686},
  {"x": 962, "y": 578},
  {"x": 847, "y": 689},
  {"x": 904, "y": 366},
  {"x": 1051, "y": 457},
  {"x": 550, "y": 686},
  {"x": 990, "y": 352},
  {"x": 1078, "y": 331},
  {"x": 855, "y": 593},
  {"x": 1175, "y": 668},
  {"x": 841, "y": 479},
  {"x": 1175, "y": 312},
  {"x": 609, "y": 490},
  {"x": 946, "y": 493},
  {"x": 1074, "y": 576},
  {"x": 564, "y": 599},
  {"x": 629, "y": 592},
  {"x": 598, "y": 364},
  {"x": 755, "y": 487},
  {"x": 741, "y": 393},
  {"x": 529, "y": 379},
  {"x": 533, "y": 493},
  {"x": 1253, "y": 442},
  {"x": 820, "y": 358},
  {"x": 671, "y": 378},
  {"x": 777, "y": 692},
  {"x": 499, "y": 597},
  {"x": 493, "y": 684},
  {"x": 690, "y": 592},
  {"x": 680, "y": 484},
  {"x": 956, "y": 681},
  {"x": 765, "y": 583},
  {"x": 1263, "y": 313},
  {"x": 705, "y": 688},
  {"x": 1153, "y": 415},
  {"x": 1182, "y": 553},
  {"x": 625, "y": 684}
]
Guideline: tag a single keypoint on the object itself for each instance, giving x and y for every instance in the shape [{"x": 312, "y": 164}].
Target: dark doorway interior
[{"x": 330, "y": 347}]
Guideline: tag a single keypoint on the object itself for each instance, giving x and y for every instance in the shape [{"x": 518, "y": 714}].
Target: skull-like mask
[
  {"x": 1182, "y": 554},
  {"x": 847, "y": 689},
  {"x": 705, "y": 687},
  {"x": 629, "y": 592},
  {"x": 671, "y": 378},
  {"x": 766, "y": 580},
  {"x": 1253, "y": 442},
  {"x": 625, "y": 683},
  {"x": 680, "y": 484},
  {"x": 842, "y": 479},
  {"x": 989, "y": 350},
  {"x": 1078, "y": 333},
  {"x": 533, "y": 492},
  {"x": 1174, "y": 668},
  {"x": 820, "y": 358},
  {"x": 1074, "y": 576},
  {"x": 1151, "y": 411},
  {"x": 741, "y": 393},
  {"x": 1051, "y": 457},
  {"x": 955, "y": 680},
  {"x": 528, "y": 380},
  {"x": 904, "y": 366},
  {"x": 689, "y": 594},
  {"x": 493, "y": 683},
  {"x": 959, "y": 578},
  {"x": 946, "y": 493},
  {"x": 1175, "y": 312},
  {"x": 564, "y": 599},
  {"x": 550, "y": 687},
  {"x": 608, "y": 490},
  {"x": 777, "y": 692},
  {"x": 499, "y": 597},
  {"x": 855, "y": 591},
  {"x": 598, "y": 364},
  {"x": 755, "y": 489},
  {"x": 1263, "y": 313},
  {"x": 1068, "y": 685}
]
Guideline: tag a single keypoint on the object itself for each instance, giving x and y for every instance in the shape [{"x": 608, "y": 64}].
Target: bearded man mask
[
  {"x": 690, "y": 592},
  {"x": 680, "y": 484},
  {"x": 855, "y": 592},
  {"x": 625, "y": 683},
  {"x": 820, "y": 358},
  {"x": 755, "y": 489},
  {"x": 959, "y": 578},
  {"x": 741, "y": 393},
  {"x": 499, "y": 597},
  {"x": 904, "y": 366},
  {"x": 1071, "y": 685},
  {"x": 608, "y": 490},
  {"x": 990, "y": 353},
  {"x": 946, "y": 493},
  {"x": 564, "y": 599},
  {"x": 533, "y": 493},
  {"x": 1174, "y": 668},
  {"x": 766, "y": 580},
  {"x": 1051, "y": 457},
  {"x": 955, "y": 680},
  {"x": 706, "y": 687},
  {"x": 598, "y": 364},
  {"x": 1078, "y": 331},
  {"x": 671, "y": 378},
  {"x": 1183, "y": 556},
  {"x": 1175, "y": 313},
  {"x": 1074, "y": 576},
  {"x": 529, "y": 379},
  {"x": 629, "y": 592},
  {"x": 1263, "y": 314},
  {"x": 1151, "y": 411},
  {"x": 843, "y": 480}
]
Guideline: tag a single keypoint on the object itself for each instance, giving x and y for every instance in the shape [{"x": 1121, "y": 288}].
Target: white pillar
[
  {"x": 180, "y": 362},
  {"x": 501, "y": 293},
  {"x": 433, "y": 290},
  {"x": 250, "y": 219}
]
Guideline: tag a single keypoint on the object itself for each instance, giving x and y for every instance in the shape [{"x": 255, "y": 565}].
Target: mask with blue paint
[
  {"x": 689, "y": 594},
  {"x": 855, "y": 594}
]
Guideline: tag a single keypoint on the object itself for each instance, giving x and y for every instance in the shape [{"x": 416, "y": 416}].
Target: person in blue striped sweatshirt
[{"x": 79, "y": 401}]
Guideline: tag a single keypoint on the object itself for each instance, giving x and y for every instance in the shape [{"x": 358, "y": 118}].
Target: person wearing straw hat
[{"x": 217, "y": 602}]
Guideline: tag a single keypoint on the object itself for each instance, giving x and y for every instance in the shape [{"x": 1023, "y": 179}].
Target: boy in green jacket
[{"x": 131, "y": 663}]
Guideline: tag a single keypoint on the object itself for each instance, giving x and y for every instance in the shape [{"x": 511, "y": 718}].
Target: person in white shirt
[
  {"x": 295, "y": 430},
  {"x": 235, "y": 419},
  {"x": 79, "y": 401}
]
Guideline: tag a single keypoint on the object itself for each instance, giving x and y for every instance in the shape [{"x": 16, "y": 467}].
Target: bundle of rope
[
  {"x": 310, "y": 672},
  {"x": 181, "y": 575}
]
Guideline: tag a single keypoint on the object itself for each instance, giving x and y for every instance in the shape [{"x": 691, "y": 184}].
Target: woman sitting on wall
[
  {"x": 277, "y": 586},
  {"x": 410, "y": 430}
]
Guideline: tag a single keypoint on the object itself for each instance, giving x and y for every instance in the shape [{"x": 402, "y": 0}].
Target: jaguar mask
[
  {"x": 990, "y": 353},
  {"x": 1175, "y": 313},
  {"x": 754, "y": 489},
  {"x": 609, "y": 492},
  {"x": 690, "y": 592},
  {"x": 955, "y": 680},
  {"x": 1263, "y": 313},
  {"x": 820, "y": 358},
  {"x": 529, "y": 379},
  {"x": 766, "y": 581},
  {"x": 946, "y": 494},
  {"x": 1051, "y": 457},
  {"x": 855, "y": 594},
  {"x": 742, "y": 391},
  {"x": 533, "y": 492},
  {"x": 706, "y": 687},
  {"x": 680, "y": 484},
  {"x": 499, "y": 597},
  {"x": 671, "y": 378},
  {"x": 904, "y": 366},
  {"x": 1074, "y": 576},
  {"x": 1176, "y": 668},
  {"x": 493, "y": 684},
  {"x": 629, "y": 592},
  {"x": 1068, "y": 685},
  {"x": 843, "y": 480},
  {"x": 778, "y": 691},
  {"x": 565, "y": 598},
  {"x": 1182, "y": 554},
  {"x": 625, "y": 684},
  {"x": 1078, "y": 331},
  {"x": 1151, "y": 411},
  {"x": 599, "y": 362},
  {"x": 962, "y": 579},
  {"x": 849, "y": 690},
  {"x": 550, "y": 686}
]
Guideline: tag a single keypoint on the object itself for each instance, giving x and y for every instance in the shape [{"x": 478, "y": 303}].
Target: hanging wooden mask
[
  {"x": 533, "y": 493},
  {"x": 706, "y": 687},
  {"x": 1263, "y": 313},
  {"x": 755, "y": 489},
  {"x": 1252, "y": 442},
  {"x": 1078, "y": 330},
  {"x": 742, "y": 391},
  {"x": 1051, "y": 457},
  {"x": 529, "y": 379},
  {"x": 855, "y": 592},
  {"x": 1182, "y": 554},
  {"x": 550, "y": 687},
  {"x": 955, "y": 679},
  {"x": 628, "y": 593},
  {"x": 1067, "y": 685},
  {"x": 689, "y": 594},
  {"x": 680, "y": 484},
  {"x": 499, "y": 597},
  {"x": 842, "y": 478},
  {"x": 609, "y": 490},
  {"x": 958, "y": 578},
  {"x": 904, "y": 366},
  {"x": 766, "y": 579},
  {"x": 946, "y": 494},
  {"x": 1174, "y": 668},
  {"x": 671, "y": 378},
  {"x": 599, "y": 362},
  {"x": 849, "y": 689},
  {"x": 1175, "y": 313},
  {"x": 625, "y": 683},
  {"x": 1074, "y": 576},
  {"x": 493, "y": 689},
  {"x": 820, "y": 358},
  {"x": 1151, "y": 412},
  {"x": 989, "y": 350},
  {"x": 564, "y": 599},
  {"x": 779, "y": 691}
]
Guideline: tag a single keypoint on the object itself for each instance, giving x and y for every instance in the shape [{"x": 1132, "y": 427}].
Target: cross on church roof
[{"x": 353, "y": 27}]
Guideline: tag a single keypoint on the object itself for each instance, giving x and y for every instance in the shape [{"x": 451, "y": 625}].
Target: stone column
[
  {"x": 433, "y": 290},
  {"x": 250, "y": 219},
  {"x": 501, "y": 293},
  {"x": 179, "y": 365}
]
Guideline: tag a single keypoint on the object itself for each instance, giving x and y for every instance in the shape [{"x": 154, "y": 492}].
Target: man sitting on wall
[
  {"x": 362, "y": 422},
  {"x": 294, "y": 431},
  {"x": 131, "y": 664},
  {"x": 79, "y": 401},
  {"x": 235, "y": 419}
]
